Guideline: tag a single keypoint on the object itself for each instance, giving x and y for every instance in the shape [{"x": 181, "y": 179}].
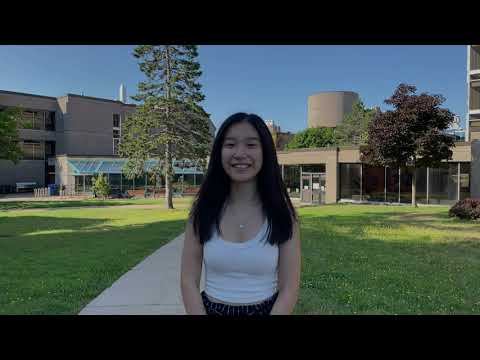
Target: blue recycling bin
[{"x": 52, "y": 190}]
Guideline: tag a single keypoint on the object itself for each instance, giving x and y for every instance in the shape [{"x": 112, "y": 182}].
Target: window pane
[
  {"x": 39, "y": 120},
  {"x": 199, "y": 179},
  {"x": 406, "y": 176},
  {"x": 291, "y": 178},
  {"x": 313, "y": 168},
  {"x": 421, "y": 189},
  {"x": 443, "y": 184},
  {"x": 28, "y": 150},
  {"x": 373, "y": 183},
  {"x": 188, "y": 179},
  {"x": 115, "y": 146},
  {"x": 140, "y": 182},
  {"x": 127, "y": 184},
  {"x": 464, "y": 180},
  {"x": 50, "y": 121},
  {"x": 39, "y": 150},
  {"x": 88, "y": 183},
  {"x": 350, "y": 181},
  {"x": 116, "y": 120},
  {"x": 114, "y": 181},
  {"x": 27, "y": 120},
  {"x": 392, "y": 184},
  {"x": 79, "y": 184}
]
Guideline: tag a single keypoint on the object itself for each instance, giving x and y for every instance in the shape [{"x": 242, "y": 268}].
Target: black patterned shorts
[{"x": 262, "y": 309}]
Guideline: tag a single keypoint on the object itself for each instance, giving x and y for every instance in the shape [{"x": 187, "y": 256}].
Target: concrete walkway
[{"x": 150, "y": 288}]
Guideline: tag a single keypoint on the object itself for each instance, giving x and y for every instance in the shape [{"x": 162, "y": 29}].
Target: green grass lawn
[
  {"x": 55, "y": 204},
  {"x": 356, "y": 259},
  {"x": 57, "y": 261},
  {"x": 368, "y": 259}
]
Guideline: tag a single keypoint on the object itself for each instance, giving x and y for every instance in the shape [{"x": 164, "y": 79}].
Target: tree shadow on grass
[
  {"x": 434, "y": 221},
  {"x": 345, "y": 271},
  {"x": 61, "y": 273}
]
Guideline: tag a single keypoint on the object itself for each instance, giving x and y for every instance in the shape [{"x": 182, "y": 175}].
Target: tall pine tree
[{"x": 170, "y": 122}]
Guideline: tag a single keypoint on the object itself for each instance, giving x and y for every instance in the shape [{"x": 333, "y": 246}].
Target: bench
[{"x": 26, "y": 186}]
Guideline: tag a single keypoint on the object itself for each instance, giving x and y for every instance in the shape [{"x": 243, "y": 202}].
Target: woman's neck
[{"x": 243, "y": 194}]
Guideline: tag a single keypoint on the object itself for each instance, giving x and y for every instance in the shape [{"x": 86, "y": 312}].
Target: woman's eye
[
  {"x": 228, "y": 145},
  {"x": 251, "y": 145}
]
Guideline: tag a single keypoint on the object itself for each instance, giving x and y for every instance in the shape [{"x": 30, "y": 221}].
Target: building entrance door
[{"x": 313, "y": 188}]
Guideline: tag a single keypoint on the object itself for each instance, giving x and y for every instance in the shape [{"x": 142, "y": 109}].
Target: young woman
[{"x": 243, "y": 227}]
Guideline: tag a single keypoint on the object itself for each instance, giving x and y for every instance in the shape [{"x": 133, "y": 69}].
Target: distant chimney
[{"x": 123, "y": 93}]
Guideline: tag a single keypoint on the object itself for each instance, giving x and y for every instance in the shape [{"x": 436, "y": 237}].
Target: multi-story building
[
  {"x": 280, "y": 138},
  {"x": 329, "y": 175},
  {"x": 68, "y": 139},
  {"x": 473, "y": 92}
]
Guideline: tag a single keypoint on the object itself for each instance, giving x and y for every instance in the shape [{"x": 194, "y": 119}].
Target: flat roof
[
  {"x": 72, "y": 95},
  {"x": 26, "y": 94},
  {"x": 100, "y": 99}
]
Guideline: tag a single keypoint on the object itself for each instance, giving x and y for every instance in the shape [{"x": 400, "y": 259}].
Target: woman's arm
[
  {"x": 192, "y": 258},
  {"x": 288, "y": 274}
]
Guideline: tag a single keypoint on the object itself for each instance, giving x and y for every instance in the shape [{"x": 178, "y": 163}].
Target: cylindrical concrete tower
[{"x": 327, "y": 109}]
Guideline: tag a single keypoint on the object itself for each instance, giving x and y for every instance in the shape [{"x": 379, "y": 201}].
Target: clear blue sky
[{"x": 272, "y": 81}]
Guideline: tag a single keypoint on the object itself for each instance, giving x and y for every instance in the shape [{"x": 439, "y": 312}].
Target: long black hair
[{"x": 215, "y": 189}]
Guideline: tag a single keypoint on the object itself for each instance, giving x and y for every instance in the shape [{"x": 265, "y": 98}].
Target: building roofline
[
  {"x": 26, "y": 94},
  {"x": 59, "y": 97},
  {"x": 334, "y": 92},
  {"x": 99, "y": 99}
]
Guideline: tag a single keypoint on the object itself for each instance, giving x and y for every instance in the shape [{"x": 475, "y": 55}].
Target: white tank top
[{"x": 245, "y": 272}]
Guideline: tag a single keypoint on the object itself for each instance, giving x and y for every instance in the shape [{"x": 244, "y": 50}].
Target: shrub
[
  {"x": 468, "y": 209},
  {"x": 100, "y": 186}
]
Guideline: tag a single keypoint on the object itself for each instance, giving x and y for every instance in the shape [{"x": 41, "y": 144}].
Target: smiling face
[{"x": 242, "y": 155}]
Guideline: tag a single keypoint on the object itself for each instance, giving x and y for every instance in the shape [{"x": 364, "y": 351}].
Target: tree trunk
[
  {"x": 168, "y": 178},
  {"x": 414, "y": 188},
  {"x": 168, "y": 160}
]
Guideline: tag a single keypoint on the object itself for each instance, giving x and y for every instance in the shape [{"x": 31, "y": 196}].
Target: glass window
[
  {"x": 392, "y": 184},
  {"x": 318, "y": 168},
  {"x": 115, "y": 146},
  {"x": 199, "y": 179},
  {"x": 50, "y": 148},
  {"x": 127, "y": 184},
  {"x": 464, "y": 180},
  {"x": 115, "y": 181},
  {"x": 33, "y": 150},
  {"x": 28, "y": 150},
  {"x": 291, "y": 178},
  {"x": 189, "y": 179},
  {"x": 27, "y": 120},
  {"x": 79, "y": 184},
  {"x": 350, "y": 181},
  {"x": 406, "y": 176},
  {"x": 373, "y": 183},
  {"x": 421, "y": 188},
  {"x": 443, "y": 184},
  {"x": 116, "y": 133},
  {"x": 50, "y": 121},
  {"x": 116, "y": 120},
  {"x": 39, "y": 120},
  {"x": 140, "y": 182},
  {"x": 88, "y": 183}
]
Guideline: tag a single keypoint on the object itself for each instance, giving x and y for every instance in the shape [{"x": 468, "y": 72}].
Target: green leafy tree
[
  {"x": 100, "y": 186},
  {"x": 312, "y": 138},
  {"x": 353, "y": 130},
  {"x": 170, "y": 123},
  {"x": 10, "y": 149},
  {"x": 411, "y": 134}
]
